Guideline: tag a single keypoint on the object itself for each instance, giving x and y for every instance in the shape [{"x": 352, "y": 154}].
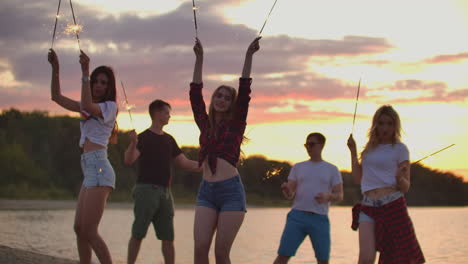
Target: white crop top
[
  {"x": 98, "y": 129},
  {"x": 380, "y": 165}
]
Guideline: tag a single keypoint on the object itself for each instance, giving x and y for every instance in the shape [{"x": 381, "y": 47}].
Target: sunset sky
[{"x": 410, "y": 54}]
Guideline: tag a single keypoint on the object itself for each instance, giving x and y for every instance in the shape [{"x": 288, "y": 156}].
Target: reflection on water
[{"x": 442, "y": 233}]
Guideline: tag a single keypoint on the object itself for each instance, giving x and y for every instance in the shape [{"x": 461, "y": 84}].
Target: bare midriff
[
  {"x": 89, "y": 146},
  {"x": 380, "y": 192},
  {"x": 224, "y": 171}
]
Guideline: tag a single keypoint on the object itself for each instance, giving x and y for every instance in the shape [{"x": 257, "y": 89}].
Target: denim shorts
[
  {"x": 300, "y": 224},
  {"x": 225, "y": 195},
  {"x": 153, "y": 204},
  {"x": 377, "y": 202},
  {"x": 97, "y": 170}
]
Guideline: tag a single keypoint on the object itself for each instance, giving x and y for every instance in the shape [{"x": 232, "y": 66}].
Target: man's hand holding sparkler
[
  {"x": 286, "y": 188},
  {"x": 133, "y": 137}
]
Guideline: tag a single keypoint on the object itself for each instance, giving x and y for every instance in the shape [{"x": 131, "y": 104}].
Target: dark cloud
[{"x": 153, "y": 54}]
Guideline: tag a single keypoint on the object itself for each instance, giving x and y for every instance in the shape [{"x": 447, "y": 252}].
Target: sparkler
[
  {"x": 55, "y": 25},
  {"x": 77, "y": 28},
  {"x": 273, "y": 172},
  {"x": 433, "y": 154},
  {"x": 127, "y": 105},
  {"x": 194, "y": 8},
  {"x": 355, "y": 105},
  {"x": 264, "y": 23}
]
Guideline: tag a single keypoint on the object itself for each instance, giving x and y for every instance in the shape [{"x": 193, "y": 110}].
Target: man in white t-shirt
[{"x": 313, "y": 184}]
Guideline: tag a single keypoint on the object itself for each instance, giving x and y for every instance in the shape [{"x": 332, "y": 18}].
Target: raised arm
[
  {"x": 132, "y": 153},
  {"x": 197, "y": 71},
  {"x": 55, "y": 92},
  {"x": 253, "y": 47},
  {"x": 87, "y": 103},
  {"x": 356, "y": 168}
]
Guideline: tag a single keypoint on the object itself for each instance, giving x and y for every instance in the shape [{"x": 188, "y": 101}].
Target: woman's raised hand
[
  {"x": 254, "y": 46},
  {"x": 198, "y": 48},
  {"x": 84, "y": 62},
  {"x": 53, "y": 59}
]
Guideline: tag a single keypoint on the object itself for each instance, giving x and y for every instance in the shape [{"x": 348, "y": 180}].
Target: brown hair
[
  {"x": 111, "y": 93},
  {"x": 229, "y": 112}
]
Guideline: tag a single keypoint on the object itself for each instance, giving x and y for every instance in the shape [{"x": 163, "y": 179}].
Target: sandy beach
[{"x": 17, "y": 256}]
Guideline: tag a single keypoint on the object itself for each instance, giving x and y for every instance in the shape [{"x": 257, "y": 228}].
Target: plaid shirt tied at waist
[{"x": 395, "y": 237}]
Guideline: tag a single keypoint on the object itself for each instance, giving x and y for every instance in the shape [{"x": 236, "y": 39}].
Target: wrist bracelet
[{"x": 85, "y": 79}]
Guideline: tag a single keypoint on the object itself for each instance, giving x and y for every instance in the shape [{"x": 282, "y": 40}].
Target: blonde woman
[{"x": 384, "y": 174}]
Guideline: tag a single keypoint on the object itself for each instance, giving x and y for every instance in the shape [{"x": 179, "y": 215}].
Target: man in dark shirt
[{"x": 156, "y": 151}]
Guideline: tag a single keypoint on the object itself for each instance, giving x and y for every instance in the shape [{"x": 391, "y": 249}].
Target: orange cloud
[{"x": 448, "y": 58}]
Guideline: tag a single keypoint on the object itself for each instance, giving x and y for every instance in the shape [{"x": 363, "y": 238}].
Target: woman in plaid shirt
[{"x": 221, "y": 196}]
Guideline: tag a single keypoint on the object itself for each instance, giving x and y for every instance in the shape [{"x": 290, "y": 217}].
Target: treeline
[{"x": 39, "y": 159}]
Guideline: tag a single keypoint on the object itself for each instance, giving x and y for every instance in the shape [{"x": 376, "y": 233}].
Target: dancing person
[
  {"x": 155, "y": 151},
  {"x": 313, "y": 184},
  {"x": 98, "y": 109},
  {"x": 221, "y": 201},
  {"x": 384, "y": 174}
]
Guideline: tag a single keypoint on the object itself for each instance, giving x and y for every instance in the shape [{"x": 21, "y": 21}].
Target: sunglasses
[{"x": 312, "y": 144}]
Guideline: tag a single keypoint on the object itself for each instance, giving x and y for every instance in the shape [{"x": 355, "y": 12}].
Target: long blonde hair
[{"x": 372, "y": 134}]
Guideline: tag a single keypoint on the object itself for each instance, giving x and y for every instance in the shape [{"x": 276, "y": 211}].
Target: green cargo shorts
[{"x": 153, "y": 204}]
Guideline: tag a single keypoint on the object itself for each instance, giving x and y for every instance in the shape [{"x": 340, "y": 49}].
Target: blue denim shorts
[
  {"x": 226, "y": 195},
  {"x": 300, "y": 224},
  {"x": 97, "y": 170},
  {"x": 377, "y": 202}
]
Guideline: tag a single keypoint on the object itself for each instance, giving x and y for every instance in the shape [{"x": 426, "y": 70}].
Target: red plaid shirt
[
  {"x": 226, "y": 144},
  {"x": 395, "y": 238}
]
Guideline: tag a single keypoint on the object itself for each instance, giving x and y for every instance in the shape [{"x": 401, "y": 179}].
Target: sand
[{"x": 18, "y": 256}]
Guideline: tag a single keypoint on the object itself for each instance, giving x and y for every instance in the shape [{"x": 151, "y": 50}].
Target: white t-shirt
[
  {"x": 313, "y": 178},
  {"x": 380, "y": 165},
  {"x": 98, "y": 129}
]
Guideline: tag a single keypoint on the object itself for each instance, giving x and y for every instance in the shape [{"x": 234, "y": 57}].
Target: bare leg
[
  {"x": 229, "y": 223},
  {"x": 84, "y": 248},
  {"x": 168, "y": 251},
  {"x": 93, "y": 208},
  {"x": 203, "y": 230},
  {"x": 133, "y": 249},
  {"x": 367, "y": 250},
  {"x": 281, "y": 259}
]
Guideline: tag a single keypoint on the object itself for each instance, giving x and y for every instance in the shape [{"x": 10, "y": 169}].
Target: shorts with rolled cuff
[
  {"x": 97, "y": 170},
  {"x": 225, "y": 195}
]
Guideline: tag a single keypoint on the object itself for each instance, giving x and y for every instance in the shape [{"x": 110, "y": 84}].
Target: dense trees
[{"x": 39, "y": 159}]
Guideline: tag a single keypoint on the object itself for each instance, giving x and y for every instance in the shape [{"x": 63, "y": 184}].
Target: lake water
[{"x": 442, "y": 233}]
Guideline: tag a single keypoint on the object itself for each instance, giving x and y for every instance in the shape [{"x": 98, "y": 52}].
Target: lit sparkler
[
  {"x": 355, "y": 105},
  {"x": 264, "y": 23},
  {"x": 55, "y": 25},
  {"x": 77, "y": 27},
  {"x": 433, "y": 154},
  {"x": 272, "y": 173},
  {"x": 127, "y": 105},
  {"x": 194, "y": 8}
]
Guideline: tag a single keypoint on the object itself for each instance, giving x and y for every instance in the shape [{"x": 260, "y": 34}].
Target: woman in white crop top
[
  {"x": 98, "y": 109},
  {"x": 384, "y": 173}
]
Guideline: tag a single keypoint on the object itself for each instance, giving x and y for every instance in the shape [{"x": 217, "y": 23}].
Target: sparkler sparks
[
  {"x": 73, "y": 29},
  {"x": 272, "y": 173}
]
